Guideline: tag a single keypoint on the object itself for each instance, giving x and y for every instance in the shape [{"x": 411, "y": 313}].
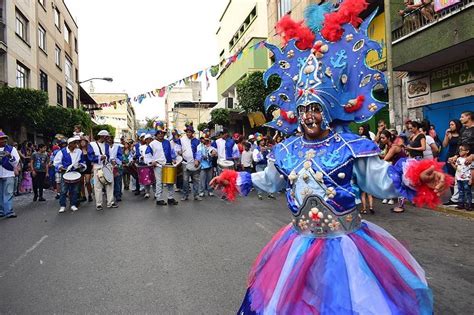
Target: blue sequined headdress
[{"x": 332, "y": 74}]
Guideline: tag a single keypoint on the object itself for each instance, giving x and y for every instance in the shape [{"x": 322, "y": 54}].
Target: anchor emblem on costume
[
  {"x": 340, "y": 61},
  {"x": 331, "y": 160}
]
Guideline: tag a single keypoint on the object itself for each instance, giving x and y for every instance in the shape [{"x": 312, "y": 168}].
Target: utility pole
[{"x": 388, "y": 43}]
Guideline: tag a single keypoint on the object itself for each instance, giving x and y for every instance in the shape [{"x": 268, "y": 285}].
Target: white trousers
[{"x": 109, "y": 190}]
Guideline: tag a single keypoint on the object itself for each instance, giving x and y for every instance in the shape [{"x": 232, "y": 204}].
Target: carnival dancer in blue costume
[{"x": 328, "y": 260}]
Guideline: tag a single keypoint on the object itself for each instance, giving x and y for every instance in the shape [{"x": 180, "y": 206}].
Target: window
[
  {"x": 21, "y": 26},
  {"x": 57, "y": 56},
  {"x": 77, "y": 75},
  {"x": 76, "y": 46},
  {"x": 43, "y": 81},
  {"x": 42, "y": 38},
  {"x": 68, "y": 73},
  {"x": 57, "y": 18},
  {"x": 59, "y": 95},
  {"x": 284, "y": 6},
  {"x": 22, "y": 75},
  {"x": 69, "y": 99},
  {"x": 67, "y": 33}
]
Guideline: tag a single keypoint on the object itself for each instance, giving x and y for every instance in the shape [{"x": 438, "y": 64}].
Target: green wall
[
  {"x": 449, "y": 32},
  {"x": 253, "y": 60}
]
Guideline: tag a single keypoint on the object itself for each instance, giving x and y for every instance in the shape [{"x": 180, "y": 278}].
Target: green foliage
[
  {"x": 61, "y": 120},
  {"x": 21, "y": 106},
  {"x": 251, "y": 91},
  {"x": 202, "y": 126},
  {"x": 220, "y": 116},
  {"x": 150, "y": 122},
  {"x": 109, "y": 128}
]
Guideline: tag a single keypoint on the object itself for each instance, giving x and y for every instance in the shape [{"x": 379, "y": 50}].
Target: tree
[
  {"x": 150, "y": 122},
  {"x": 21, "y": 106},
  {"x": 220, "y": 116},
  {"x": 109, "y": 128},
  {"x": 251, "y": 91},
  {"x": 202, "y": 126},
  {"x": 62, "y": 120}
]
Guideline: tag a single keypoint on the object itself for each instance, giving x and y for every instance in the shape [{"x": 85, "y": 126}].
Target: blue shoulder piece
[{"x": 359, "y": 146}]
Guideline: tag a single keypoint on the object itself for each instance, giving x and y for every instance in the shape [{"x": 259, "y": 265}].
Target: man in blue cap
[{"x": 9, "y": 159}]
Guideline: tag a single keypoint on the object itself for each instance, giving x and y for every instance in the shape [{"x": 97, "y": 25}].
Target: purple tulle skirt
[{"x": 364, "y": 272}]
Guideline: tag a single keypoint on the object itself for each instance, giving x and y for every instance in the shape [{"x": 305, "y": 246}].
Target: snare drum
[
  {"x": 105, "y": 175},
  {"x": 72, "y": 177},
  {"x": 225, "y": 164},
  {"x": 168, "y": 174},
  {"x": 191, "y": 168},
  {"x": 146, "y": 175}
]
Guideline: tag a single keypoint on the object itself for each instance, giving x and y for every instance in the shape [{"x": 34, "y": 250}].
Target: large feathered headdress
[{"x": 325, "y": 64}]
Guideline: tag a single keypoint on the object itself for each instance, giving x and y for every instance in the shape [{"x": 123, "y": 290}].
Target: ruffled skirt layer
[{"x": 364, "y": 272}]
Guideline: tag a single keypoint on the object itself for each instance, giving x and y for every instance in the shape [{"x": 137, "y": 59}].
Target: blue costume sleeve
[
  {"x": 91, "y": 154},
  {"x": 269, "y": 180},
  {"x": 137, "y": 151},
  {"x": 119, "y": 157},
  {"x": 380, "y": 179},
  {"x": 196, "y": 153},
  {"x": 214, "y": 144}
]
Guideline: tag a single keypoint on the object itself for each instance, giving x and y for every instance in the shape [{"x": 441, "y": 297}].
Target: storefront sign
[
  {"x": 455, "y": 75},
  {"x": 418, "y": 92},
  {"x": 443, "y": 4},
  {"x": 454, "y": 93},
  {"x": 376, "y": 32}
]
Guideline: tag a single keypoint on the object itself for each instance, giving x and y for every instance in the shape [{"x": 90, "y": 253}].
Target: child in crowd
[
  {"x": 463, "y": 178},
  {"x": 246, "y": 158}
]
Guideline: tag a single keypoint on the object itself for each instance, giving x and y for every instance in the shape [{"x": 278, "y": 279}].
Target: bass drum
[
  {"x": 146, "y": 175},
  {"x": 105, "y": 174},
  {"x": 169, "y": 174}
]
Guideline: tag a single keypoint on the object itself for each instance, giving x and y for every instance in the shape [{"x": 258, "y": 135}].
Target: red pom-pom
[
  {"x": 284, "y": 115},
  {"x": 288, "y": 29},
  {"x": 348, "y": 12},
  {"x": 425, "y": 196},
  {"x": 230, "y": 190},
  {"x": 358, "y": 105}
]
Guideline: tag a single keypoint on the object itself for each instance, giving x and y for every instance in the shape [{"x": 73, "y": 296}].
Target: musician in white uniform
[
  {"x": 146, "y": 158},
  {"x": 68, "y": 159},
  {"x": 99, "y": 155}
]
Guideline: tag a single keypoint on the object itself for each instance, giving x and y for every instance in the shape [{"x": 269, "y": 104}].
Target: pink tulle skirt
[{"x": 364, "y": 272}]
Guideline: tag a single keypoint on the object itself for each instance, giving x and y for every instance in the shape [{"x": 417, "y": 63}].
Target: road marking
[
  {"x": 23, "y": 256},
  {"x": 263, "y": 228}
]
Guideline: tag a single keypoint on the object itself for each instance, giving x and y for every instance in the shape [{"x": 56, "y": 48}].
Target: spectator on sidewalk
[
  {"x": 451, "y": 142},
  {"x": 466, "y": 136},
  {"x": 364, "y": 133},
  {"x": 39, "y": 166},
  {"x": 464, "y": 178},
  {"x": 431, "y": 151},
  {"x": 247, "y": 160},
  {"x": 417, "y": 142},
  {"x": 9, "y": 159}
]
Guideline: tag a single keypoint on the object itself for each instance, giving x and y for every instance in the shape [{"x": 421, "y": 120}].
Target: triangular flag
[{"x": 162, "y": 92}]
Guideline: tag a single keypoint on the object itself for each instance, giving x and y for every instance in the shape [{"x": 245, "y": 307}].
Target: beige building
[
  {"x": 39, "y": 49},
  {"x": 121, "y": 116},
  {"x": 192, "y": 112},
  {"x": 189, "y": 93}
]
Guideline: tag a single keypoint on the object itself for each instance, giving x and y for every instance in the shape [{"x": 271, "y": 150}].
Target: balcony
[{"x": 421, "y": 43}]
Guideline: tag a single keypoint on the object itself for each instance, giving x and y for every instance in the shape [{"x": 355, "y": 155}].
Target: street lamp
[{"x": 104, "y": 79}]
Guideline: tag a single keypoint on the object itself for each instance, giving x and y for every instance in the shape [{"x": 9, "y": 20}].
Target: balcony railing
[{"x": 423, "y": 17}]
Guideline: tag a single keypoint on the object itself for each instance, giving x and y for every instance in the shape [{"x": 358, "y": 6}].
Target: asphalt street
[{"x": 189, "y": 259}]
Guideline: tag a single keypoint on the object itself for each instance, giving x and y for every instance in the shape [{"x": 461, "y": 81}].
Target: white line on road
[
  {"x": 263, "y": 228},
  {"x": 23, "y": 256}
]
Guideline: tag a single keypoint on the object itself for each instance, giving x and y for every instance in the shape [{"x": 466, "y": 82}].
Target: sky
[{"x": 144, "y": 45}]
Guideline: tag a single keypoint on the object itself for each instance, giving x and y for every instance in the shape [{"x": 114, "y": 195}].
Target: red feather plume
[
  {"x": 348, "y": 12},
  {"x": 288, "y": 29}
]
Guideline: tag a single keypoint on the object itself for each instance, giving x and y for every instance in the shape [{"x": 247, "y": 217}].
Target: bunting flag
[{"x": 214, "y": 71}]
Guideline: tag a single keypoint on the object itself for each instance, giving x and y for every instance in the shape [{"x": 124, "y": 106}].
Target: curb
[{"x": 459, "y": 213}]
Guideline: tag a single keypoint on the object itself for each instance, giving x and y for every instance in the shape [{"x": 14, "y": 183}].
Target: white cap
[
  {"x": 148, "y": 136},
  {"x": 142, "y": 134},
  {"x": 103, "y": 133},
  {"x": 251, "y": 137},
  {"x": 72, "y": 139}
]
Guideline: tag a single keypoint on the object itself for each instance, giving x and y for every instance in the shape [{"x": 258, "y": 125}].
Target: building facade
[
  {"x": 192, "y": 113},
  {"x": 39, "y": 49},
  {"x": 437, "y": 57},
  {"x": 190, "y": 93},
  {"x": 121, "y": 116},
  {"x": 242, "y": 25}
]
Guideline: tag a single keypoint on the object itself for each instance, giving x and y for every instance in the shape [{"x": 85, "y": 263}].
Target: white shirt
[
  {"x": 95, "y": 146},
  {"x": 428, "y": 153},
  {"x": 463, "y": 171},
  {"x": 257, "y": 155},
  {"x": 145, "y": 158},
  {"x": 158, "y": 153},
  {"x": 113, "y": 150},
  {"x": 75, "y": 158},
  {"x": 246, "y": 159},
  {"x": 187, "y": 150},
  {"x": 4, "y": 173},
  {"x": 220, "y": 143}
]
